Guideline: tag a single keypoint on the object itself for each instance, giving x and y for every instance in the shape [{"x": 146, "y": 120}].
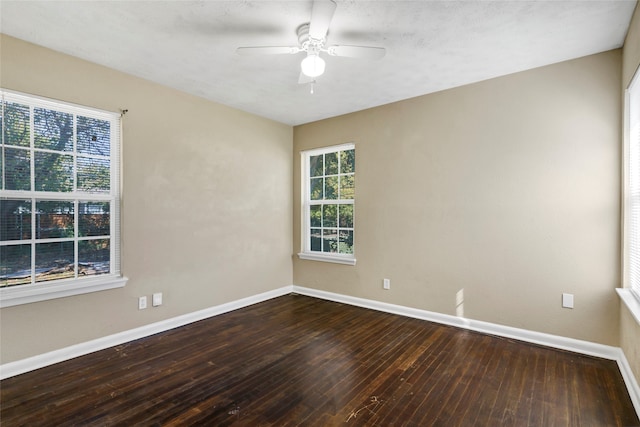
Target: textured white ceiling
[{"x": 431, "y": 45}]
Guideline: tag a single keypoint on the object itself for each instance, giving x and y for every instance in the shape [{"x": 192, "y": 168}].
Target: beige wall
[
  {"x": 206, "y": 203},
  {"x": 629, "y": 328},
  {"x": 508, "y": 189}
]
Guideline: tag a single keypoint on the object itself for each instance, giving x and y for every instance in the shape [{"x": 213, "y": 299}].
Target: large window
[
  {"x": 632, "y": 188},
  {"x": 328, "y": 204},
  {"x": 59, "y": 199}
]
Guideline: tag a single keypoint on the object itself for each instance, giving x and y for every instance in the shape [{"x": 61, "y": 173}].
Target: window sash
[
  {"x": 38, "y": 290},
  {"x": 307, "y": 252}
]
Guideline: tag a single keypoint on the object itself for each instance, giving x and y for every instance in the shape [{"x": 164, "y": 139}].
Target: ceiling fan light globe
[{"x": 312, "y": 66}]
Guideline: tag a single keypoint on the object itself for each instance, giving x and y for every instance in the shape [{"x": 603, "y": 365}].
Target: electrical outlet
[
  {"x": 156, "y": 299},
  {"x": 142, "y": 303},
  {"x": 386, "y": 284}
]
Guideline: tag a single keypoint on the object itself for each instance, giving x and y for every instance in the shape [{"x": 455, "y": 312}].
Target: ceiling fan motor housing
[{"x": 307, "y": 43}]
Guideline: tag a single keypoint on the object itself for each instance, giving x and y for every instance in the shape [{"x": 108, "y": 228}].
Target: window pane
[
  {"x": 93, "y": 257},
  {"x": 315, "y": 166},
  {"x": 346, "y": 216},
  {"x": 331, "y": 167},
  {"x": 316, "y": 239},
  {"x": 93, "y": 136},
  {"x": 93, "y": 175},
  {"x": 57, "y": 159},
  {"x": 347, "y": 187},
  {"x": 345, "y": 245},
  {"x": 54, "y": 172},
  {"x": 348, "y": 161},
  {"x": 331, "y": 188},
  {"x": 17, "y": 167},
  {"x": 316, "y": 216},
  {"x": 93, "y": 219},
  {"x": 15, "y": 222},
  {"x": 315, "y": 185},
  {"x": 330, "y": 216},
  {"x": 54, "y": 219},
  {"x": 330, "y": 241},
  {"x": 331, "y": 183},
  {"x": 54, "y": 261},
  {"x": 16, "y": 124},
  {"x": 52, "y": 130},
  {"x": 15, "y": 265}
]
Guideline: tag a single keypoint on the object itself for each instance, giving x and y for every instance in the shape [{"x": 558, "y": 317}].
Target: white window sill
[
  {"x": 338, "y": 259},
  {"x": 631, "y": 301},
  {"x": 25, "y": 294}
]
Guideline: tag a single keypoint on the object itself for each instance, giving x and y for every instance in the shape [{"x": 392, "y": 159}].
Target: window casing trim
[
  {"x": 306, "y": 253},
  {"x": 25, "y": 294},
  {"x": 335, "y": 258}
]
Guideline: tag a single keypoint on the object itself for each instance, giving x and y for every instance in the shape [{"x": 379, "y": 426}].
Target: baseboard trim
[
  {"x": 18, "y": 367},
  {"x": 629, "y": 380},
  {"x": 548, "y": 340},
  {"x": 578, "y": 346}
]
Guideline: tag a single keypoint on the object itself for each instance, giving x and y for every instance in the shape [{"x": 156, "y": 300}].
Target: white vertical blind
[{"x": 632, "y": 196}]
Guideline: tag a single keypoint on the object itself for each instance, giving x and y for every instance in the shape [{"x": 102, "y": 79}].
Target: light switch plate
[
  {"x": 156, "y": 299},
  {"x": 567, "y": 300}
]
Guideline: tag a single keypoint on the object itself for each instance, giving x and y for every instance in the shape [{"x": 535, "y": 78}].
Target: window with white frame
[
  {"x": 59, "y": 199},
  {"x": 328, "y": 204},
  {"x": 632, "y": 187}
]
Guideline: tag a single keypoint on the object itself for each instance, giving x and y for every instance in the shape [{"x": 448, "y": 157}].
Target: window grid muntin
[{"x": 75, "y": 196}]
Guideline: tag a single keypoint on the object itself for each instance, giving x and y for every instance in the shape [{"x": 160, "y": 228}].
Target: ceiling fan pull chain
[{"x": 312, "y": 83}]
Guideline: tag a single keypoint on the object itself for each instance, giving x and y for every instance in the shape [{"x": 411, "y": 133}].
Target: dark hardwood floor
[{"x": 296, "y": 360}]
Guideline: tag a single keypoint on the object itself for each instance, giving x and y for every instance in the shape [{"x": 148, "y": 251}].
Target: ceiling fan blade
[
  {"x": 303, "y": 79},
  {"x": 363, "y": 52},
  {"x": 268, "y": 50},
  {"x": 321, "y": 15}
]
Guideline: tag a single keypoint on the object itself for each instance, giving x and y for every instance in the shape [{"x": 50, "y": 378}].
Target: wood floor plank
[
  {"x": 297, "y": 360},
  {"x": 426, "y": 365}
]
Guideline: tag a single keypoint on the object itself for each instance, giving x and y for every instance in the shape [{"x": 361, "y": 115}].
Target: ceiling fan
[{"x": 311, "y": 40}]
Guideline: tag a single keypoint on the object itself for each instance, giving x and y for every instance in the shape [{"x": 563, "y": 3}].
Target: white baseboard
[
  {"x": 11, "y": 369},
  {"x": 18, "y": 367},
  {"x": 548, "y": 340}
]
